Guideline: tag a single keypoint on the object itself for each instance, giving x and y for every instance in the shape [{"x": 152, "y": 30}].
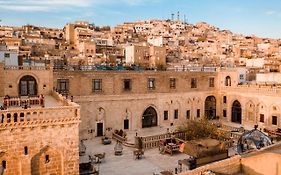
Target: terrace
[{"x": 25, "y": 111}]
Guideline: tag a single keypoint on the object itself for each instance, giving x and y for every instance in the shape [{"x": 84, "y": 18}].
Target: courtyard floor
[{"x": 126, "y": 164}]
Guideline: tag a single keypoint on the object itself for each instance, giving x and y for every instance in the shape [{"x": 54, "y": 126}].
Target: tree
[{"x": 200, "y": 129}]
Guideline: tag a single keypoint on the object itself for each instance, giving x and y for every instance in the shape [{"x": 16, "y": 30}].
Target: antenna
[
  {"x": 178, "y": 16},
  {"x": 173, "y": 16}
]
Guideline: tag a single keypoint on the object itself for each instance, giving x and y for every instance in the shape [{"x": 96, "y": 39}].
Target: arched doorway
[
  {"x": 27, "y": 86},
  {"x": 210, "y": 107},
  {"x": 149, "y": 118},
  {"x": 236, "y": 112}
]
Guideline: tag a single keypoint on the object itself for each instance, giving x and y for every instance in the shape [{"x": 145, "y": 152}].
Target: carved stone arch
[
  {"x": 149, "y": 117},
  {"x": 47, "y": 161},
  {"x": 11, "y": 162},
  {"x": 210, "y": 107},
  {"x": 27, "y": 85},
  {"x": 100, "y": 114},
  {"x": 236, "y": 112},
  {"x": 261, "y": 112},
  {"x": 250, "y": 111}
]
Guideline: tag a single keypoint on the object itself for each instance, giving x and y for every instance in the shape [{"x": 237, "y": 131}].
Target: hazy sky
[{"x": 258, "y": 17}]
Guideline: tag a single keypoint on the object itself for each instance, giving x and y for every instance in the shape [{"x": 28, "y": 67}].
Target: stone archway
[
  {"x": 47, "y": 161},
  {"x": 149, "y": 118},
  {"x": 27, "y": 86},
  {"x": 210, "y": 107},
  {"x": 236, "y": 114}
]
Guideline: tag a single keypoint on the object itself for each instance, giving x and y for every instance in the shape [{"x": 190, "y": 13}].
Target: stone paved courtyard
[{"x": 126, "y": 164}]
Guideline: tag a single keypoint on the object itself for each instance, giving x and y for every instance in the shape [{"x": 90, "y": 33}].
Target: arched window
[
  {"x": 228, "y": 81},
  {"x": 210, "y": 107},
  {"x": 27, "y": 86}
]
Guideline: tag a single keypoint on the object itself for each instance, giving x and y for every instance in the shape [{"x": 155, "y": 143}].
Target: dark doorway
[
  {"x": 99, "y": 129},
  {"x": 126, "y": 124},
  {"x": 149, "y": 118},
  {"x": 210, "y": 107},
  {"x": 236, "y": 116},
  {"x": 27, "y": 86}
]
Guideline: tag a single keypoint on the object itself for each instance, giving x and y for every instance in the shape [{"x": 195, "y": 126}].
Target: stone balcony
[{"x": 56, "y": 111}]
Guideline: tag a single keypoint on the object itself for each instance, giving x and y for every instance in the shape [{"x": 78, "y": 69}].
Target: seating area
[{"x": 169, "y": 145}]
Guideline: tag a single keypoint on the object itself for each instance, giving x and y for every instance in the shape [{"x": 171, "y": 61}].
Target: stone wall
[
  {"x": 227, "y": 166},
  {"x": 25, "y": 150}
]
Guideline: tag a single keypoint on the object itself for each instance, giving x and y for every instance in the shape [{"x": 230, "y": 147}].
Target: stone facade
[{"x": 120, "y": 99}]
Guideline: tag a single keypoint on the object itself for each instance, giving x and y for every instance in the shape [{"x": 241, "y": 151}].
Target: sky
[{"x": 257, "y": 17}]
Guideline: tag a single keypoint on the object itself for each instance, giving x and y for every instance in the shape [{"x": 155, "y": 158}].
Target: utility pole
[
  {"x": 173, "y": 16},
  {"x": 178, "y": 16}
]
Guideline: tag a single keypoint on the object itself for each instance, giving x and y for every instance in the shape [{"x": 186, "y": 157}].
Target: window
[
  {"x": 127, "y": 85},
  {"x": 228, "y": 81},
  {"x": 224, "y": 113},
  {"x": 25, "y": 150},
  {"x": 151, "y": 83},
  {"x": 274, "y": 120},
  {"x": 97, "y": 85},
  {"x": 6, "y": 55},
  {"x": 262, "y": 118},
  {"x": 193, "y": 83},
  {"x": 176, "y": 114},
  {"x": 198, "y": 113},
  {"x": 211, "y": 82},
  {"x": 241, "y": 76},
  {"x": 188, "y": 114},
  {"x": 172, "y": 83},
  {"x": 63, "y": 85},
  {"x": 47, "y": 158},
  {"x": 224, "y": 99},
  {"x": 126, "y": 124},
  {"x": 166, "y": 115}
]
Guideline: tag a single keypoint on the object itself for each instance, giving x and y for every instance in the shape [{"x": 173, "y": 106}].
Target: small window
[
  {"x": 127, "y": 85},
  {"x": 126, "y": 124},
  {"x": 47, "y": 158},
  {"x": 151, "y": 83},
  {"x": 224, "y": 113},
  {"x": 198, "y": 113},
  {"x": 25, "y": 150},
  {"x": 97, "y": 85},
  {"x": 211, "y": 82},
  {"x": 7, "y": 55},
  {"x": 63, "y": 85},
  {"x": 241, "y": 76},
  {"x": 176, "y": 114},
  {"x": 188, "y": 114},
  {"x": 166, "y": 115},
  {"x": 262, "y": 118},
  {"x": 172, "y": 83},
  {"x": 224, "y": 99},
  {"x": 274, "y": 120},
  {"x": 228, "y": 81},
  {"x": 4, "y": 164},
  {"x": 193, "y": 83}
]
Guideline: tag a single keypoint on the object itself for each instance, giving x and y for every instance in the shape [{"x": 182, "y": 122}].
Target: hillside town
[{"x": 151, "y": 44}]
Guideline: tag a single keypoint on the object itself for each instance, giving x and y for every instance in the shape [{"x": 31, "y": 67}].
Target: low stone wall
[{"x": 227, "y": 166}]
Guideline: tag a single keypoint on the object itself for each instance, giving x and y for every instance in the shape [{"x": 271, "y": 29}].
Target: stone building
[
  {"x": 38, "y": 127},
  {"x": 132, "y": 100}
]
